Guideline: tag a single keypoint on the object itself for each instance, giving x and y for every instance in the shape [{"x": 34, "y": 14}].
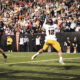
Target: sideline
[{"x": 38, "y": 61}]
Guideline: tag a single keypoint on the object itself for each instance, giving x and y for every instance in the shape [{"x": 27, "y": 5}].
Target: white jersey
[{"x": 50, "y": 31}]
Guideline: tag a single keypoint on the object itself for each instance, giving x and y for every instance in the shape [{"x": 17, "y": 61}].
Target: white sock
[
  {"x": 68, "y": 51},
  {"x": 36, "y": 54},
  {"x": 61, "y": 59},
  {"x": 74, "y": 51}
]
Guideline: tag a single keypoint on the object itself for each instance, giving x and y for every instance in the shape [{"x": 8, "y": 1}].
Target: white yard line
[{"x": 37, "y": 61}]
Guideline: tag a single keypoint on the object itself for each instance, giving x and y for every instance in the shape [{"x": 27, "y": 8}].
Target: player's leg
[
  {"x": 35, "y": 55},
  {"x": 75, "y": 49},
  {"x": 57, "y": 46},
  {"x": 60, "y": 57},
  {"x": 68, "y": 49},
  {"x": 41, "y": 50},
  {"x": 2, "y": 52}
]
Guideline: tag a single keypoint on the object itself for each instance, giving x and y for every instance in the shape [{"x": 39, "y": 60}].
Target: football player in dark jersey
[{"x": 1, "y": 50}]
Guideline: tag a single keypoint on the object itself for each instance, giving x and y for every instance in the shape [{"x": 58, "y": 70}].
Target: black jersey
[
  {"x": 1, "y": 33},
  {"x": 74, "y": 43},
  {"x": 68, "y": 42}
]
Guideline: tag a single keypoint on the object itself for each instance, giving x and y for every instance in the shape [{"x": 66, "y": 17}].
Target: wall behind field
[{"x": 61, "y": 37}]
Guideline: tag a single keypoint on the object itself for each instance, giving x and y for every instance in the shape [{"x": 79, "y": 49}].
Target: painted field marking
[{"x": 37, "y": 61}]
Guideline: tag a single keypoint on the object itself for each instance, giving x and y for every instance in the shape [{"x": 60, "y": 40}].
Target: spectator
[
  {"x": 26, "y": 43},
  {"x": 21, "y": 43},
  {"x": 38, "y": 43},
  {"x": 74, "y": 44},
  {"x": 31, "y": 14},
  {"x": 72, "y": 26},
  {"x": 68, "y": 45},
  {"x": 9, "y": 43}
]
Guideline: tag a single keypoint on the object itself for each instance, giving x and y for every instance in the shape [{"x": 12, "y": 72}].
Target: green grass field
[{"x": 19, "y": 66}]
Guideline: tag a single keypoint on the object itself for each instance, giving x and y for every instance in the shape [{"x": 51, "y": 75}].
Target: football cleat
[
  {"x": 33, "y": 57},
  {"x": 5, "y": 59},
  {"x": 61, "y": 62}
]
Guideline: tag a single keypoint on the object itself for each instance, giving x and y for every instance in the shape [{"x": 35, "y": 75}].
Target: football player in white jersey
[{"x": 50, "y": 39}]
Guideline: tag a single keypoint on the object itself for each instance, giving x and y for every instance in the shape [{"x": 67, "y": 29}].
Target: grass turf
[{"x": 19, "y": 66}]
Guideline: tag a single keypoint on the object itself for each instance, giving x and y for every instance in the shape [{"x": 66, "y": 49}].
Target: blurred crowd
[{"x": 29, "y": 15}]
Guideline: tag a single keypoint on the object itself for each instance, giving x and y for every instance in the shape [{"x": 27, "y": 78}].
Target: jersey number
[{"x": 51, "y": 32}]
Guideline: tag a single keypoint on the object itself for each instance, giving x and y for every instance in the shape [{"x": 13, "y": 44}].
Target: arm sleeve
[{"x": 44, "y": 25}]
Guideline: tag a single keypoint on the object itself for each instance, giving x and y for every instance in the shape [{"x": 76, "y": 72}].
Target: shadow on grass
[
  {"x": 77, "y": 62},
  {"x": 60, "y": 67},
  {"x": 8, "y": 74}
]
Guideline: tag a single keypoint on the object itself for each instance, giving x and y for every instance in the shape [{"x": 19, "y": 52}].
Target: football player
[
  {"x": 1, "y": 50},
  {"x": 50, "y": 39}
]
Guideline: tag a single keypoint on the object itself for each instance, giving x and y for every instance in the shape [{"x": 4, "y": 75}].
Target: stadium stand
[{"x": 29, "y": 15}]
